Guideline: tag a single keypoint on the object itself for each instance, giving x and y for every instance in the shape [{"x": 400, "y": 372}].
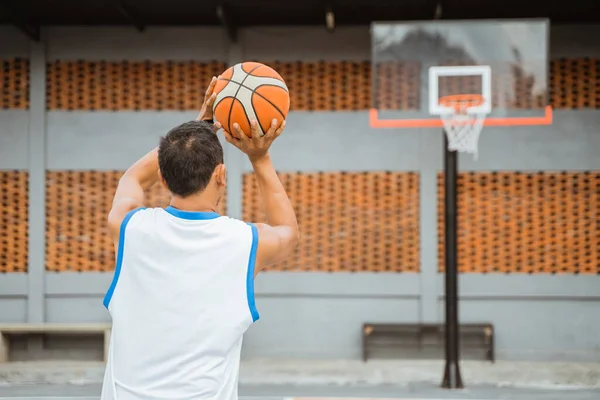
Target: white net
[{"x": 462, "y": 124}]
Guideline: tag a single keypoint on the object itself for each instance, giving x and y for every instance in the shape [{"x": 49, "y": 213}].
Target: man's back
[{"x": 181, "y": 301}]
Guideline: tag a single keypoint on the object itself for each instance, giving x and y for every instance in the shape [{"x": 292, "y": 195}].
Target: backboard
[{"x": 418, "y": 66}]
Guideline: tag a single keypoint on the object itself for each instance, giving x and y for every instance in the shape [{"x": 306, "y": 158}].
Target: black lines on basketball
[
  {"x": 259, "y": 101},
  {"x": 236, "y": 94},
  {"x": 240, "y": 84},
  {"x": 255, "y": 92}
]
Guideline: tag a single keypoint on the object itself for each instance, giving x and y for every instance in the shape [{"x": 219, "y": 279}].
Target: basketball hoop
[{"x": 463, "y": 117}]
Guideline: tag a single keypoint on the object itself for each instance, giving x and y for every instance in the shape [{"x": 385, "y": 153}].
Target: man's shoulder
[{"x": 234, "y": 222}]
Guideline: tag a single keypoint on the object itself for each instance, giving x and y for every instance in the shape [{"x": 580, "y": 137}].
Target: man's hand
[
  {"x": 256, "y": 146},
  {"x": 206, "y": 111}
]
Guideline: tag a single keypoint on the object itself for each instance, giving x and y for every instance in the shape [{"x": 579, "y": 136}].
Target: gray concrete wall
[
  {"x": 14, "y": 125},
  {"x": 310, "y": 314},
  {"x": 319, "y": 315}
]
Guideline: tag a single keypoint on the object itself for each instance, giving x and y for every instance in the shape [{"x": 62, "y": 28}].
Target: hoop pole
[{"x": 452, "y": 378}]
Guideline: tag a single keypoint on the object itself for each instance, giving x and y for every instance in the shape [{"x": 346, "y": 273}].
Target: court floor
[
  {"x": 240, "y": 398},
  {"x": 296, "y": 398},
  {"x": 562, "y": 397},
  {"x": 327, "y": 392}
]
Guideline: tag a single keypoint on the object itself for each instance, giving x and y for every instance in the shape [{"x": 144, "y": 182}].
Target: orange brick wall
[
  {"x": 328, "y": 86},
  {"x": 13, "y": 221},
  {"x": 128, "y": 85},
  {"x": 14, "y": 83},
  {"x": 575, "y": 83},
  {"x": 514, "y": 222},
  {"x": 77, "y": 204},
  {"x": 365, "y": 222},
  {"x": 509, "y": 222},
  {"x": 345, "y": 85}
]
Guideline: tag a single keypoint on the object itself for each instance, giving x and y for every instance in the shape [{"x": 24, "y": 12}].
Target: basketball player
[{"x": 183, "y": 289}]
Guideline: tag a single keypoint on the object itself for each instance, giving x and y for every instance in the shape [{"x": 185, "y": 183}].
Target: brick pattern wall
[
  {"x": 512, "y": 222},
  {"x": 14, "y": 84},
  {"x": 365, "y": 222}
]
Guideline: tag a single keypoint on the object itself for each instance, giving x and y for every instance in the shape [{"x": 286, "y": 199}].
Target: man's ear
[{"x": 221, "y": 175}]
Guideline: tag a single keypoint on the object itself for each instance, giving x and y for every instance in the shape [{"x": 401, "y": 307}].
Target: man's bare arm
[
  {"x": 279, "y": 236},
  {"x": 130, "y": 191}
]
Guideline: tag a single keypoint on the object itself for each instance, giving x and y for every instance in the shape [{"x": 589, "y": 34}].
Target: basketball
[{"x": 248, "y": 91}]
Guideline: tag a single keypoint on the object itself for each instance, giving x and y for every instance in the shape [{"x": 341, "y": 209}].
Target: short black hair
[{"x": 188, "y": 156}]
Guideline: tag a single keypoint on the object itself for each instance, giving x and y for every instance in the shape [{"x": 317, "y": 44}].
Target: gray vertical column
[
  {"x": 37, "y": 181},
  {"x": 430, "y": 154},
  {"x": 234, "y": 159}
]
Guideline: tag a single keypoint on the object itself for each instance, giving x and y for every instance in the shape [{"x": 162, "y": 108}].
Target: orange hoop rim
[{"x": 461, "y": 102}]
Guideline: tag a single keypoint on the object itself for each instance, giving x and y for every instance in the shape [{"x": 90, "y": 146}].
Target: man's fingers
[
  {"x": 217, "y": 125},
  {"x": 254, "y": 129},
  {"x": 211, "y": 100},
  {"x": 229, "y": 137},
  {"x": 280, "y": 129},
  {"x": 211, "y": 88},
  {"x": 239, "y": 133},
  {"x": 272, "y": 129}
]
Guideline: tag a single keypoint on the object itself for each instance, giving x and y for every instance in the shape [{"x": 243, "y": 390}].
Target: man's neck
[{"x": 199, "y": 203}]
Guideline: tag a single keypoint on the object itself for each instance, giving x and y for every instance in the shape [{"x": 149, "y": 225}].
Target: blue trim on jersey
[
  {"x": 192, "y": 215},
  {"x": 111, "y": 289},
  {"x": 250, "y": 274}
]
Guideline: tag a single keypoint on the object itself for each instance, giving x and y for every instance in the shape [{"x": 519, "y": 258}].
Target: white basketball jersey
[{"x": 181, "y": 299}]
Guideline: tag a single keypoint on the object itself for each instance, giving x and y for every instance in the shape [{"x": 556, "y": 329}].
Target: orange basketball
[{"x": 250, "y": 91}]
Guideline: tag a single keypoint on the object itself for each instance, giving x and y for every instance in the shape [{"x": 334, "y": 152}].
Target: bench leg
[
  {"x": 107, "y": 334},
  {"x": 3, "y": 348}
]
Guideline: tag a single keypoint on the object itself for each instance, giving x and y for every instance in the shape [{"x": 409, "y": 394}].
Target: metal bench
[
  {"x": 425, "y": 341},
  {"x": 26, "y": 328}
]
